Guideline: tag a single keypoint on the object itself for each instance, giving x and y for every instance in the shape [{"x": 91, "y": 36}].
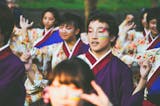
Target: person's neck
[
  {"x": 1, "y": 41},
  {"x": 71, "y": 44},
  {"x": 100, "y": 54},
  {"x": 48, "y": 29},
  {"x": 153, "y": 35}
]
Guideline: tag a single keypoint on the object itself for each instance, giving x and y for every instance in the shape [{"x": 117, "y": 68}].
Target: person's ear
[
  {"x": 77, "y": 31},
  {"x": 112, "y": 38}
]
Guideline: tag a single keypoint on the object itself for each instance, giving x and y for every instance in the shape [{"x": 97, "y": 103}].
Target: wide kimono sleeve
[
  {"x": 127, "y": 99},
  {"x": 12, "y": 72}
]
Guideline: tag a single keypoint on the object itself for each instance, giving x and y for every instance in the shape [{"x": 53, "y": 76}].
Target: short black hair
[
  {"x": 55, "y": 14},
  {"x": 73, "y": 19},
  {"x": 153, "y": 13},
  {"x": 108, "y": 19},
  {"x": 6, "y": 22}
]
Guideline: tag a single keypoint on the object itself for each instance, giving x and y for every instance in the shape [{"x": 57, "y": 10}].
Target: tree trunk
[{"x": 90, "y": 5}]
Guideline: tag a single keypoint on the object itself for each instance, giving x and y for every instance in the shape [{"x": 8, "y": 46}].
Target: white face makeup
[
  {"x": 99, "y": 38},
  {"x": 67, "y": 30},
  {"x": 100, "y": 32}
]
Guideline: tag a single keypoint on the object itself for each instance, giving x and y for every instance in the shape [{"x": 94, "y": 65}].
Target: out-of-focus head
[
  {"x": 11, "y": 3},
  {"x": 6, "y": 23},
  {"x": 71, "y": 78}
]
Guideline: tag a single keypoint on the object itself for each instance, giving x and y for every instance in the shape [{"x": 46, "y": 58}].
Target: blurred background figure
[
  {"x": 3, "y": 2},
  {"x": 15, "y": 9}
]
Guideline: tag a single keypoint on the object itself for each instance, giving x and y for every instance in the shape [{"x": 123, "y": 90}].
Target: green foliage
[{"x": 110, "y": 5}]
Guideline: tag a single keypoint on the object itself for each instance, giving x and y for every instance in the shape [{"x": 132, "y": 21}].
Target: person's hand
[
  {"x": 128, "y": 27},
  {"x": 129, "y": 17},
  {"x": 46, "y": 95},
  {"x": 145, "y": 67},
  {"x": 26, "y": 58},
  {"x": 99, "y": 99},
  {"x": 24, "y": 23}
]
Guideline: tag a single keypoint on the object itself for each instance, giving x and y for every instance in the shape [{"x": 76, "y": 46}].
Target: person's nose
[
  {"x": 64, "y": 92},
  {"x": 63, "y": 29},
  {"x": 94, "y": 34}
]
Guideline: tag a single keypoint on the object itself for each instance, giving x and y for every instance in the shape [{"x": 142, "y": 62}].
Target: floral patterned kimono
[
  {"x": 22, "y": 42},
  {"x": 153, "y": 80}
]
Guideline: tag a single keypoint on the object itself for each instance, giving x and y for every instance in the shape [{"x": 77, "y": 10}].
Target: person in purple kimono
[
  {"x": 12, "y": 69},
  {"x": 113, "y": 76}
]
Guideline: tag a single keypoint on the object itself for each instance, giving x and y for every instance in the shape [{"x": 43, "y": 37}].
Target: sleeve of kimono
[
  {"x": 127, "y": 99},
  {"x": 12, "y": 81}
]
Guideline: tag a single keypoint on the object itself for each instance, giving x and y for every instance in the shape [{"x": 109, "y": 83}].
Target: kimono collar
[
  {"x": 69, "y": 53},
  {"x": 5, "y": 51},
  {"x": 3, "y": 47},
  {"x": 45, "y": 32}
]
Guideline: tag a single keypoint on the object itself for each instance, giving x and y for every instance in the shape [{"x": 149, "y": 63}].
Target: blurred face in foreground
[
  {"x": 99, "y": 38},
  {"x": 64, "y": 94}
]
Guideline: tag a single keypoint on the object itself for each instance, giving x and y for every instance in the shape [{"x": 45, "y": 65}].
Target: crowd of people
[{"x": 59, "y": 65}]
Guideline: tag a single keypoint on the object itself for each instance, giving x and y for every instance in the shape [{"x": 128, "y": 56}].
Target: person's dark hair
[
  {"x": 108, "y": 19},
  {"x": 6, "y": 22},
  {"x": 55, "y": 14},
  {"x": 153, "y": 13},
  {"x": 142, "y": 12},
  {"x": 73, "y": 19},
  {"x": 74, "y": 71},
  {"x": 158, "y": 24}
]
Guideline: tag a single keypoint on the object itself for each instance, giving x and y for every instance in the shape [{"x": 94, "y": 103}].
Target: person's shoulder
[
  {"x": 119, "y": 62},
  {"x": 16, "y": 59}
]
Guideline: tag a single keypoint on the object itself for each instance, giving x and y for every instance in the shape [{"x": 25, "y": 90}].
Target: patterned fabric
[
  {"x": 34, "y": 87},
  {"x": 22, "y": 42}
]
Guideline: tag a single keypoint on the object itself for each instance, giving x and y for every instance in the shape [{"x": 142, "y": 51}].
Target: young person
[
  {"x": 36, "y": 39},
  {"x": 12, "y": 70},
  {"x": 153, "y": 22},
  {"x": 152, "y": 91},
  {"x": 111, "y": 73},
  {"x": 68, "y": 80},
  {"x": 70, "y": 28},
  {"x": 26, "y": 38}
]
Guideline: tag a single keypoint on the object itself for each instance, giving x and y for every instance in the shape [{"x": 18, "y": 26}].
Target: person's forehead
[
  {"x": 10, "y": 1},
  {"x": 153, "y": 20},
  {"x": 67, "y": 24},
  {"x": 98, "y": 24}
]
